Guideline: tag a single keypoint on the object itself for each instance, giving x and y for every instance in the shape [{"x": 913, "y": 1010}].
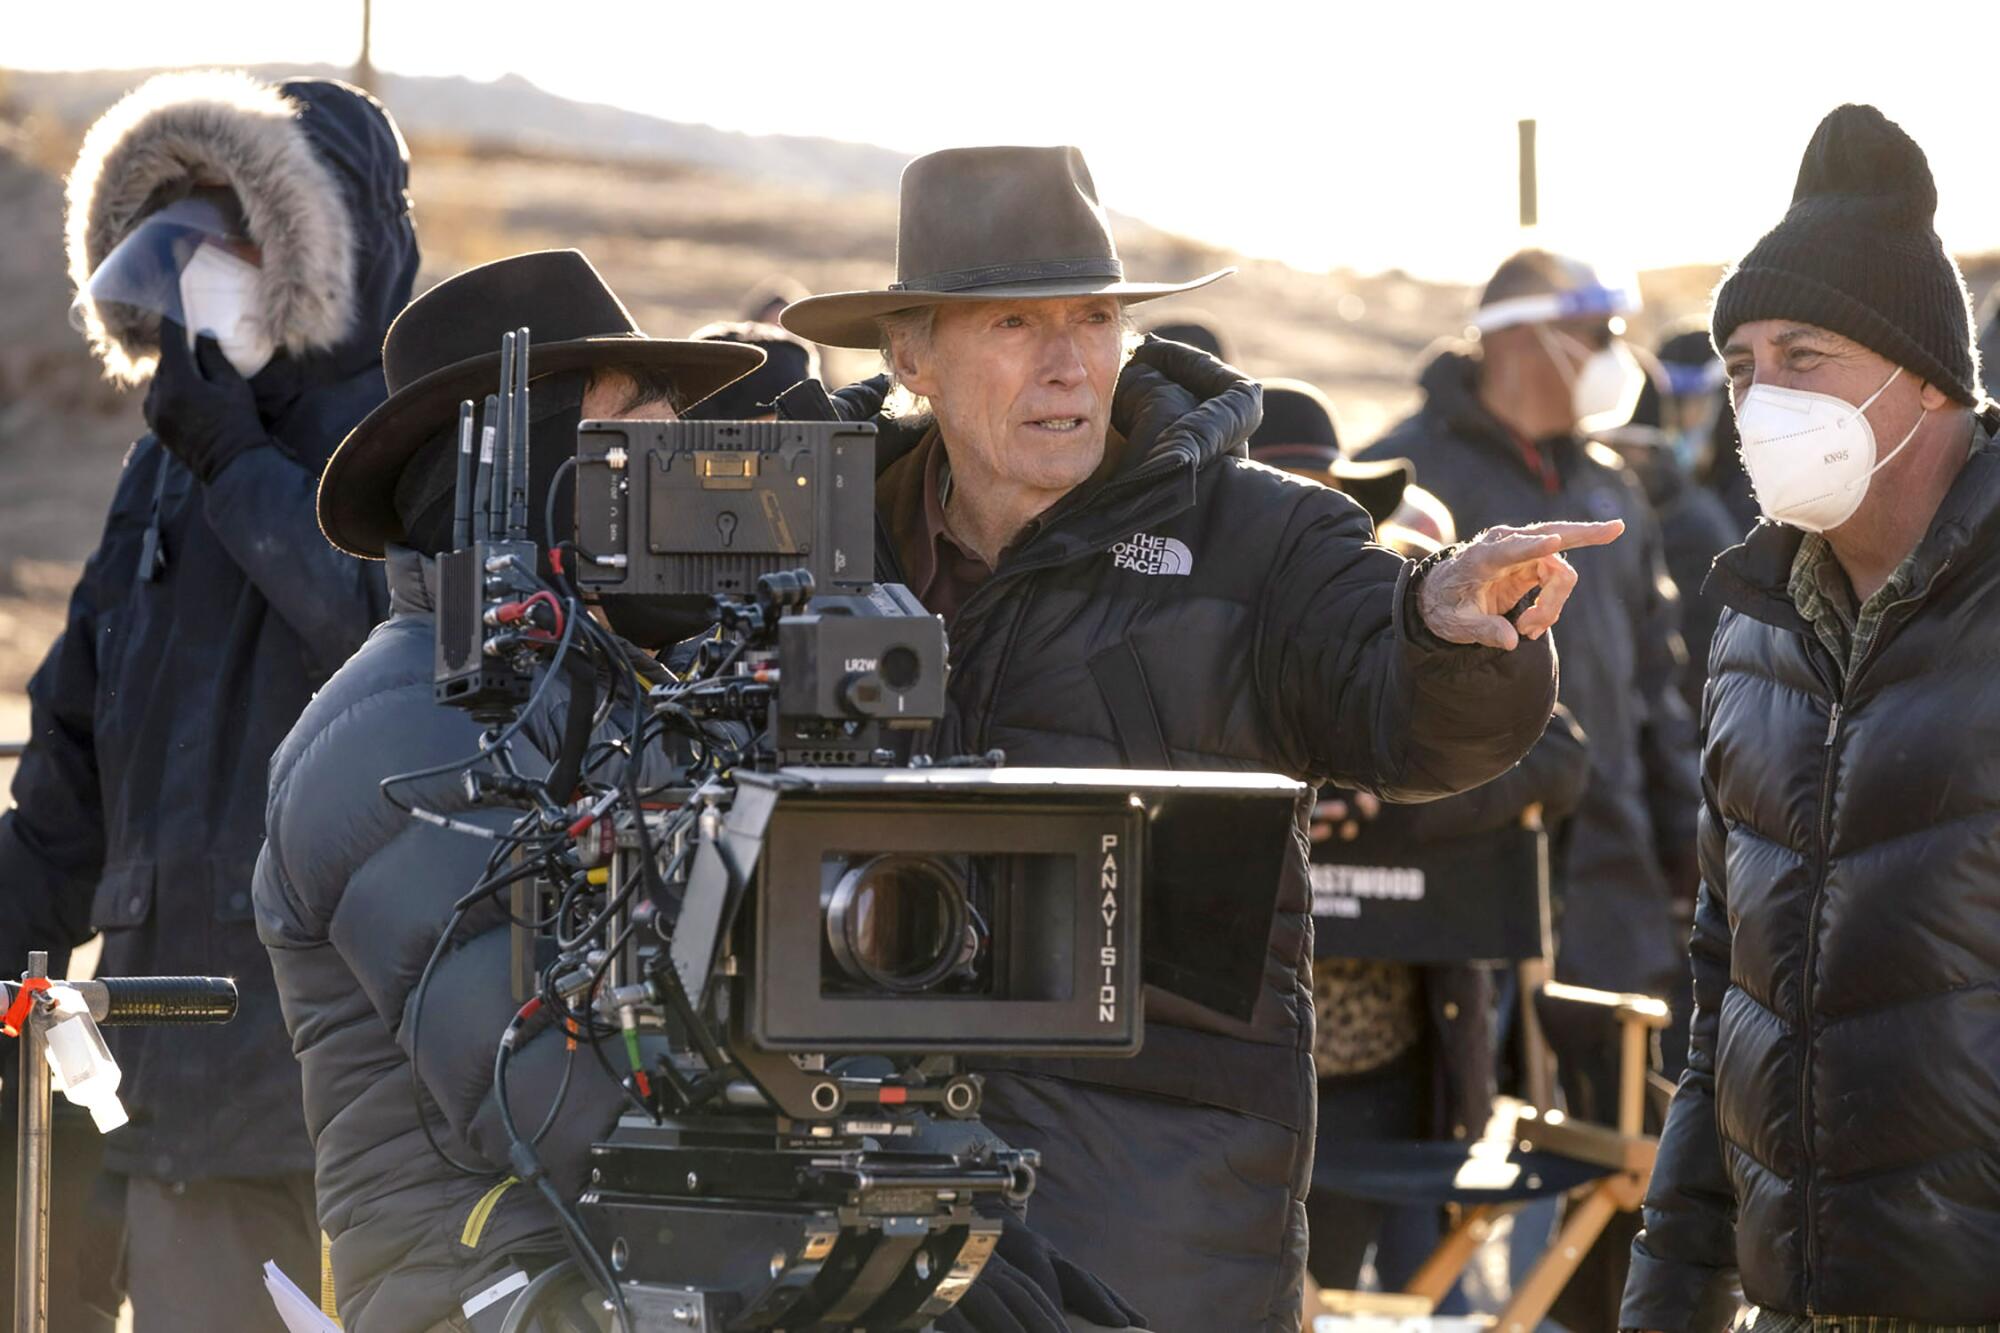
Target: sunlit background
[
  {"x": 1360, "y": 162},
  {"x": 1367, "y": 136}
]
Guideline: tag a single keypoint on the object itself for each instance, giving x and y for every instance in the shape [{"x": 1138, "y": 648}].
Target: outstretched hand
[{"x": 1466, "y": 597}]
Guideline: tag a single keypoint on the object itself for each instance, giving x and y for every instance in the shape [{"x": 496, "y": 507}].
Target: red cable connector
[{"x": 17, "y": 1013}]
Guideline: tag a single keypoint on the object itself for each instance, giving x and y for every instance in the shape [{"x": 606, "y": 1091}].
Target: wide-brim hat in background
[
  {"x": 445, "y": 347},
  {"x": 987, "y": 224},
  {"x": 1300, "y": 433}
]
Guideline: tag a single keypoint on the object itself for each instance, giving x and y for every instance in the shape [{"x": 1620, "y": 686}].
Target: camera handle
[{"x": 117, "y": 1001}]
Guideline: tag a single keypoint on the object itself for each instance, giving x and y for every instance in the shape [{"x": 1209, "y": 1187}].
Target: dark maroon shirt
[{"x": 937, "y": 567}]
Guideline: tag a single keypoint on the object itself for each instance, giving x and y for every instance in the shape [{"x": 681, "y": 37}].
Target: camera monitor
[{"x": 688, "y": 510}]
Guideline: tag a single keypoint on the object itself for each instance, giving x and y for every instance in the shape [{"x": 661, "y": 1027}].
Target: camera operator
[
  {"x": 271, "y": 220},
  {"x": 353, "y": 894},
  {"x": 1123, "y": 588}
]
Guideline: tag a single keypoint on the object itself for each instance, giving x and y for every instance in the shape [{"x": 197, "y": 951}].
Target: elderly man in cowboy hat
[
  {"x": 1123, "y": 587},
  {"x": 352, "y": 895}
]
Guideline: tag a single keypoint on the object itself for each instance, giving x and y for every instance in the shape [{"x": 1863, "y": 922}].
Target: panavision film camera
[{"x": 791, "y": 943}]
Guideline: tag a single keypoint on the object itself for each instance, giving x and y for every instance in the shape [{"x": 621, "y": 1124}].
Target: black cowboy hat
[
  {"x": 1298, "y": 433},
  {"x": 445, "y": 347},
  {"x": 987, "y": 224}
]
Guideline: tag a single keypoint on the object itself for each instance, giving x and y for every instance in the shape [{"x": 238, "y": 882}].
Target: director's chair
[{"x": 1467, "y": 904}]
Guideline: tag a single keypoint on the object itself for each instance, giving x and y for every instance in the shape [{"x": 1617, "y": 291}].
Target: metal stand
[
  {"x": 121, "y": 1001},
  {"x": 31, "y": 1169}
]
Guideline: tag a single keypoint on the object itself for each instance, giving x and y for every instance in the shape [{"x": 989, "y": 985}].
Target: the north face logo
[{"x": 1152, "y": 555}]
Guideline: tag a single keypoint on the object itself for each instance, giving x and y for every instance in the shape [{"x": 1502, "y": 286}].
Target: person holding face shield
[
  {"x": 191, "y": 263},
  {"x": 240, "y": 247}
]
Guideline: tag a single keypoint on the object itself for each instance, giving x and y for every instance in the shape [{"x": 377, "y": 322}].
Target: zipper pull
[{"x": 1832, "y": 725}]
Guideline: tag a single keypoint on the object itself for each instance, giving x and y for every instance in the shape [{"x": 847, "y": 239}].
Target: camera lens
[
  {"x": 897, "y": 922},
  {"x": 899, "y": 668}
]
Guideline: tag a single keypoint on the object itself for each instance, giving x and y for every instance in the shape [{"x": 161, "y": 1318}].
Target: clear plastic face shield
[
  {"x": 189, "y": 262},
  {"x": 1581, "y": 329},
  {"x": 1693, "y": 407}
]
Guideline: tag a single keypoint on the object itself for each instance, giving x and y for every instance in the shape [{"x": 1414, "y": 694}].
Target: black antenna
[
  {"x": 517, "y": 482},
  {"x": 503, "y": 445},
  {"x": 489, "y": 430},
  {"x": 461, "y": 512}
]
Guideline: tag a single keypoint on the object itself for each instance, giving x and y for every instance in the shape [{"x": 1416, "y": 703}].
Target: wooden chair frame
[{"x": 1625, "y": 1149}]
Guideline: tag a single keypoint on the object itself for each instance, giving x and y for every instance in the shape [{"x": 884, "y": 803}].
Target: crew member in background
[
  {"x": 1503, "y": 437},
  {"x": 788, "y": 359},
  {"x": 243, "y": 246},
  {"x": 1196, "y": 328},
  {"x": 1403, "y": 1051}
]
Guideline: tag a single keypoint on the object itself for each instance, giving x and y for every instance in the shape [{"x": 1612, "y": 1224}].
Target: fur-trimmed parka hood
[{"x": 321, "y": 172}]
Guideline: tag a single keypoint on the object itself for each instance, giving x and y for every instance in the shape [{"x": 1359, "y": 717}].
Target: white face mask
[
  {"x": 1810, "y": 456},
  {"x": 219, "y": 298},
  {"x": 1602, "y": 393}
]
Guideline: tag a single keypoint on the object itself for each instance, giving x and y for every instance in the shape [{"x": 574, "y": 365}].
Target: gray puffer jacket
[{"x": 351, "y": 894}]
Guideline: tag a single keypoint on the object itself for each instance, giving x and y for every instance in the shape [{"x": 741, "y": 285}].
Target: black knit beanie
[{"x": 1856, "y": 253}]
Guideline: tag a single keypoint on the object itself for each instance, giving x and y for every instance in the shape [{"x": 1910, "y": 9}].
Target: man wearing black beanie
[{"x": 1836, "y": 1136}]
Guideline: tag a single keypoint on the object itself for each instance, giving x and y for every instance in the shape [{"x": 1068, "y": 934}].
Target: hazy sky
[{"x": 1364, "y": 135}]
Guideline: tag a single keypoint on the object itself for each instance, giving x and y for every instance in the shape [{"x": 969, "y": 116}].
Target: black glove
[
  {"x": 1026, "y": 1286},
  {"x": 203, "y": 412}
]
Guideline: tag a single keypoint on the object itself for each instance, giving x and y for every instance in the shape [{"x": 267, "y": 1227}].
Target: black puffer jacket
[
  {"x": 1247, "y": 615},
  {"x": 351, "y": 896},
  {"x": 139, "y": 807},
  {"x": 1837, "y": 1132},
  {"x": 1622, "y": 676}
]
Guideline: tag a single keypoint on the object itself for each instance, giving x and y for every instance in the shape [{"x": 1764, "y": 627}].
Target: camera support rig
[{"x": 810, "y": 1193}]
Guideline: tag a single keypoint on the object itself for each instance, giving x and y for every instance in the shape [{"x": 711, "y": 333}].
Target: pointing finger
[{"x": 1573, "y": 535}]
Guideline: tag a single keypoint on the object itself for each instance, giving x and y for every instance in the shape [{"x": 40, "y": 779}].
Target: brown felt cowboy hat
[
  {"x": 987, "y": 224},
  {"x": 445, "y": 347}
]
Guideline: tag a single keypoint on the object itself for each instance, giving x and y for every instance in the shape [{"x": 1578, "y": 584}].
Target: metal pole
[
  {"x": 364, "y": 64},
  {"x": 31, "y": 1170},
  {"x": 1530, "y": 204}
]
